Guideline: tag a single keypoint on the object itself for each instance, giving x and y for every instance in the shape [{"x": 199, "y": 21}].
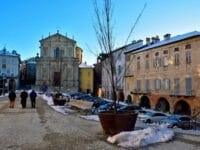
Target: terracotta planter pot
[{"x": 113, "y": 123}]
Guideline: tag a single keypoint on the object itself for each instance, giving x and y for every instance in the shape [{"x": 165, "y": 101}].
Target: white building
[
  {"x": 118, "y": 71},
  {"x": 9, "y": 70}
]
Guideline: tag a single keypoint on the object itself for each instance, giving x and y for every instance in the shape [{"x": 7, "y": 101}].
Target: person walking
[
  {"x": 23, "y": 96},
  {"x": 33, "y": 96},
  {"x": 12, "y": 97}
]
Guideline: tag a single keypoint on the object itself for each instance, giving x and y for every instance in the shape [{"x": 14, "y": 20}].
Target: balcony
[
  {"x": 139, "y": 91},
  {"x": 186, "y": 94}
]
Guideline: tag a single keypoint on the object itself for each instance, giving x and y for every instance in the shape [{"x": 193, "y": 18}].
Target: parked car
[
  {"x": 134, "y": 108},
  {"x": 152, "y": 116},
  {"x": 184, "y": 122},
  {"x": 107, "y": 106}
]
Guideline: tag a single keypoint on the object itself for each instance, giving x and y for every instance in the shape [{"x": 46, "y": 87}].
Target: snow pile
[
  {"x": 60, "y": 109},
  {"x": 135, "y": 139},
  {"x": 91, "y": 117}
]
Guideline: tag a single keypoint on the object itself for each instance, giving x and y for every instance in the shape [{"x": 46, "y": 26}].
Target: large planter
[{"x": 113, "y": 123}]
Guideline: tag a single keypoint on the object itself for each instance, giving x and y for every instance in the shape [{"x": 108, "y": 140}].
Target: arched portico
[
  {"x": 182, "y": 107},
  {"x": 163, "y": 105},
  {"x": 145, "y": 102}
]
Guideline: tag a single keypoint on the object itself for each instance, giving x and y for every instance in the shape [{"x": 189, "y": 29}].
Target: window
[
  {"x": 138, "y": 63},
  {"x": 147, "y": 85},
  {"x": 138, "y": 85},
  {"x": 3, "y": 66},
  {"x": 188, "y": 57},
  {"x": 166, "y": 84},
  {"x": 176, "y": 49},
  {"x": 57, "y": 53},
  {"x": 188, "y": 85},
  {"x": 157, "y": 60},
  {"x": 176, "y": 86},
  {"x": 176, "y": 56},
  {"x": 4, "y": 61},
  {"x": 188, "y": 46},
  {"x": 157, "y": 84},
  {"x": 147, "y": 62},
  {"x": 165, "y": 52}
]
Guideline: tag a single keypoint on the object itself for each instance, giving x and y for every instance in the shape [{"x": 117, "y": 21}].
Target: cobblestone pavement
[{"x": 44, "y": 129}]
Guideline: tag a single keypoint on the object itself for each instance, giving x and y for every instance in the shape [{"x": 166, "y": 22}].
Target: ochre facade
[{"x": 166, "y": 77}]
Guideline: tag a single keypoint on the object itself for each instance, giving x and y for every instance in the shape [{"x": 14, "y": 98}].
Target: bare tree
[{"x": 104, "y": 32}]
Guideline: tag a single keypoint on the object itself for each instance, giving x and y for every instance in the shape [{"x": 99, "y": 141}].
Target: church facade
[{"x": 58, "y": 64}]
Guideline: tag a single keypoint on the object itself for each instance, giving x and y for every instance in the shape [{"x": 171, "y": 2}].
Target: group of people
[{"x": 23, "y": 96}]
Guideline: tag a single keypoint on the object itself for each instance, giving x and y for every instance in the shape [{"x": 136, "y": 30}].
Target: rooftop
[
  {"x": 169, "y": 41},
  {"x": 7, "y": 53}
]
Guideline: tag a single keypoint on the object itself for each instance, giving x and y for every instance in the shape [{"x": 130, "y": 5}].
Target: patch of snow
[
  {"x": 91, "y": 117},
  {"x": 135, "y": 139},
  {"x": 61, "y": 109}
]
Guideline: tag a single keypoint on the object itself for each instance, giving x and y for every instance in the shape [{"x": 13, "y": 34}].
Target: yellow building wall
[
  {"x": 86, "y": 80},
  {"x": 170, "y": 72}
]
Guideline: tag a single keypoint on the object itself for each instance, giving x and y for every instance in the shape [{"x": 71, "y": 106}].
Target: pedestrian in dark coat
[
  {"x": 33, "y": 96},
  {"x": 23, "y": 96},
  {"x": 12, "y": 97}
]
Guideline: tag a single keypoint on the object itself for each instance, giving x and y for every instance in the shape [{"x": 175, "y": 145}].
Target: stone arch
[
  {"x": 145, "y": 102},
  {"x": 182, "y": 107},
  {"x": 163, "y": 105}
]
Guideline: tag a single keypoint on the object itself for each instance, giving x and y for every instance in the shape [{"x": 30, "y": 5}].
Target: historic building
[
  {"x": 86, "y": 76},
  {"x": 118, "y": 74},
  {"x": 120, "y": 70},
  {"x": 58, "y": 64},
  {"x": 28, "y": 72},
  {"x": 128, "y": 76},
  {"x": 9, "y": 70},
  {"x": 166, "y": 74}
]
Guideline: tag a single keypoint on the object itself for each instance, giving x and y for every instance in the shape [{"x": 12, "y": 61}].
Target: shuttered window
[
  {"x": 188, "y": 85},
  {"x": 176, "y": 86},
  {"x": 138, "y": 85},
  {"x": 147, "y": 85},
  {"x": 157, "y": 84}
]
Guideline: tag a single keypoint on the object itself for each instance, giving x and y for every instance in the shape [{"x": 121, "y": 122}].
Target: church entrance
[{"x": 56, "y": 79}]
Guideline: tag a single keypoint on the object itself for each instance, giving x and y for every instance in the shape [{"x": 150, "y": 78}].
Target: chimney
[
  {"x": 157, "y": 39},
  {"x": 148, "y": 41},
  {"x": 153, "y": 39},
  {"x": 167, "y": 36}
]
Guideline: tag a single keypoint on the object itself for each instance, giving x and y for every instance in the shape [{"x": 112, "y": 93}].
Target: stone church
[{"x": 58, "y": 65}]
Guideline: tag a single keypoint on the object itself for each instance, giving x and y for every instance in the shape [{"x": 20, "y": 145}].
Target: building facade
[
  {"x": 28, "y": 72},
  {"x": 166, "y": 74},
  {"x": 9, "y": 70},
  {"x": 118, "y": 74},
  {"x": 58, "y": 65},
  {"x": 86, "y": 73}
]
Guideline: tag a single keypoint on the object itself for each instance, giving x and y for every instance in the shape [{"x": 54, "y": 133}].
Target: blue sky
[{"x": 24, "y": 22}]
